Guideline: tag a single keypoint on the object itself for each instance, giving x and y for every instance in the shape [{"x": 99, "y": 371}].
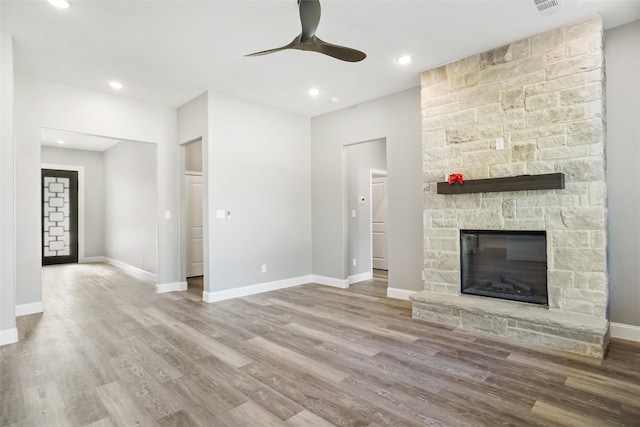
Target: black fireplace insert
[{"x": 504, "y": 264}]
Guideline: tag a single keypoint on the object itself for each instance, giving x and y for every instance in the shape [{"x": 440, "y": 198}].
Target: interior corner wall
[
  {"x": 93, "y": 192},
  {"x": 42, "y": 104},
  {"x": 397, "y": 119},
  {"x": 258, "y": 170},
  {"x": 622, "y": 57},
  {"x": 130, "y": 200},
  {"x": 360, "y": 159},
  {"x": 7, "y": 248}
]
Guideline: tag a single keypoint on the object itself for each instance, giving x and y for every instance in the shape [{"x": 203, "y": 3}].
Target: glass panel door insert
[{"x": 59, "y": 217}]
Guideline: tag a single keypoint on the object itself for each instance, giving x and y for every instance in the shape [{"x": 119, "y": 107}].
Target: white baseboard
[
  {"x": 360, "y": 277},
  {"x": 626, "y": 332},
  {"x": 162, "y": 288},
  {"x": 131, "y": 269},
  {"x": 89, "y": 259},
  {"x": 330, "y": 281},
  {"x": 8, "y": 336},
  {"x": 31, "y": 308},
  {"x": 399, "y": 293},
  {"x": 254, "y": 289}
]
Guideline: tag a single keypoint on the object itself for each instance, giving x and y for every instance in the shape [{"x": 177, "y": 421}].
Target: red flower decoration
[{"x": 456, "y": 177}]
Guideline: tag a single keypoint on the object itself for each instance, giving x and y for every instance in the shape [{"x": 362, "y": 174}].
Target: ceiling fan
[{"x": 307, "y": 39}]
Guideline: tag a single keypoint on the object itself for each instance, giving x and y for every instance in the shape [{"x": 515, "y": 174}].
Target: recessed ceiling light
[
  {"x": 115, "y": 85},
  {"x": 314, "y": 92},
  {"x": 60, "y": 141},
  {"x": 60, "y": 4},
  {"x": 404, "y": 59}
]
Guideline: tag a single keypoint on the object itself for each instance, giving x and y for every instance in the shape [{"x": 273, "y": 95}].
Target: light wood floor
[{"x": 108, "y": 351}]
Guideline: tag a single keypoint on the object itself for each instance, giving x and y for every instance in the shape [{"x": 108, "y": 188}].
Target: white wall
[
  {"x": 8, "y": 332},
  {"x": 41, "y": 104},
  {"x": 193, "y": 154},
  {"x": 360, "y": 159},
  {"x": 257, "y": 162},
  {"x": 130, "y": 201},
  {"x": 397, "y": 119},
  {"x": 622, "y": 56},
  {"x": 92, "y": 161}
]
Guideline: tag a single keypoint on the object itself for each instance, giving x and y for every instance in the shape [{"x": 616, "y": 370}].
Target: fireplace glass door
[{"x": 504, "y": 264}]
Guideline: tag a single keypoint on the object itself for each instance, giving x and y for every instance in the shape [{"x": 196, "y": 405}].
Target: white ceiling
[
  {"x": 76, "y": 141},
  {"x": 171, "y": 51}
]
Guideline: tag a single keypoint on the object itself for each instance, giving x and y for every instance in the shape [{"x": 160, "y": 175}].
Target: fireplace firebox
[{"x": 504, "y": 264}]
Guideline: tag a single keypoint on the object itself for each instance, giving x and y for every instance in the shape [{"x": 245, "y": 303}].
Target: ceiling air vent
[{"x": 547, "y": 7}]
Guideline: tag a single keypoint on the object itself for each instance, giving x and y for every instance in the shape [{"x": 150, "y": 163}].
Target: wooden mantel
[{"x": 547, "y": 181}]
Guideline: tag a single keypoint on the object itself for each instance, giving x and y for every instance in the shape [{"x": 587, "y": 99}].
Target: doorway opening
[
  {"x": 115, "y": 219},
  {"x": 193, "y": 214},
  {"x": 366, "y": 211}
]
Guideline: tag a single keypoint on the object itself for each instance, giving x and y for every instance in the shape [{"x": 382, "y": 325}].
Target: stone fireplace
[{"x": 535, "y": 106}]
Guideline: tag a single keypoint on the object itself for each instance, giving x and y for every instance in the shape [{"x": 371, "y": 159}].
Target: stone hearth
[{"x": 544, "y": 97}]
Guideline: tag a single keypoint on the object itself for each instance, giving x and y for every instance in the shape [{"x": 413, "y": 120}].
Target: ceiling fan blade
[
  {"x": 339, "y": 52},
  {"x": 292, "y": 45},
  {"x": 307, "y": 40},
  {"x": 309, "y": 17}
]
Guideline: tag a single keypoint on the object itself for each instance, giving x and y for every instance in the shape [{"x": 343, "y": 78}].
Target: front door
[{"x": 59, "y": 217}]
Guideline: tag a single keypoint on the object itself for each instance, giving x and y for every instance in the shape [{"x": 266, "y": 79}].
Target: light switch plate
[
  {"x": 221, "y": 214},
  {"x": 353, "y": 213},
  {"x": 499, "y": 143},
  {"x": 167, "y": 214}
]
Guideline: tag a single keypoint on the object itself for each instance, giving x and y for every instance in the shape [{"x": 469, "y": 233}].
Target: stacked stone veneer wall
[{"x": 544, "y": 96}]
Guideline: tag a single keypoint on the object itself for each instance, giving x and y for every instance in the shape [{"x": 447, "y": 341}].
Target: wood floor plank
[
  {"x": 178, "y": 419},
  {"x": 259, "y": 393},
  {"x": 109, "y": 351},
  {"x": 149, "y": 393},
  {"x": 251, "y": 413},
  {"x": 290, "y": 357},
  {"x": 565, "y": 417},
  {"x": 629, "y": 396},
  {"x": 306, "y": 418},
  {"x": 338, "y": 318},
  {"x": 104, "y": 422},
  {"x": 46, "y": 403},
  {"x": 214, "y": 347},
  {"x": 123, "y": 410},
  {"x": 328, "y": 338}
]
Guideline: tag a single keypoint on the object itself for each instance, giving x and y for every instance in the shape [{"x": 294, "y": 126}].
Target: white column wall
[{"x": 8, "y": 333}]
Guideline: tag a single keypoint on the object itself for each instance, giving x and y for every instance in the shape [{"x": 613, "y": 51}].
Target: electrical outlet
[
  {"x": 264, "y": 268},
  {"x": 354, "y": 263}
]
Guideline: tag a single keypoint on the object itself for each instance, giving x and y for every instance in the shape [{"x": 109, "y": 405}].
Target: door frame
[{"x": 80, "y": 170}]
